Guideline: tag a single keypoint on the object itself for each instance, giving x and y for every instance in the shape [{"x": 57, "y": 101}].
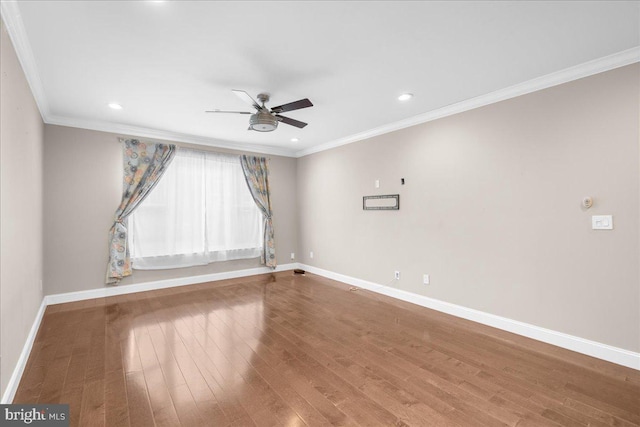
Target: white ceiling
[{"x": 167, "y": 62}]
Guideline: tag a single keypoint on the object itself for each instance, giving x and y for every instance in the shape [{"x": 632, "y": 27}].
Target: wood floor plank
[
  {"x": 73, "y": 387},
  {"x": 443, "y": 403},
  {"x": 226, "y": 398},
  {"x": 54, "y": 381},
  {"x": 238, "y": 370},
  {"x": 211, "y": 412},
  {"x": 423, "y": 367},
  {"x": 164, "y": 412},
  {"x": 291, "y": 350},
  {"x": 308, "y": 415},
  {"x": 140, "y": 412},
  {"x": 271, "y": 397},
  {"x": 186, "y": 407},
  {"x": 93, "y": 402},
  {"x": 320, "y": 400},
  {"x": 116, "y": 403},
  {"x": 299, "y": 345}
]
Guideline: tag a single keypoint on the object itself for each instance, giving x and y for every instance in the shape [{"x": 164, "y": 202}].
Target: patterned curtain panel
[
  {"x": 144, "y": 164},
  {"x": 257, "y": 176}
]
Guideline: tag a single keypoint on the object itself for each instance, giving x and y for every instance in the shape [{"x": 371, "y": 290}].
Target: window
[{"x": 201, "y": 211}]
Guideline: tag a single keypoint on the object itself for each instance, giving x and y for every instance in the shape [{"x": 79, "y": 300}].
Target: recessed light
[
  {"x": 405, "y": 97},
  {"x": 294, "y": 140},
  {"x": 115, "y": 106}
]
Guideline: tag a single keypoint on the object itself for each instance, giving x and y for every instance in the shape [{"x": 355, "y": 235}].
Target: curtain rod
[{"x": 179, "y": 144}]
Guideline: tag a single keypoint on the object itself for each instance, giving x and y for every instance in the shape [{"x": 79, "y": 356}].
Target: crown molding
[
  {"x": 15, "y": 28},
  {"x": 606, "y": 63},
  {"x": 11, "y": 16},
  {"x": 138, "y": 131},
  {"x": 10, "y": 12}
]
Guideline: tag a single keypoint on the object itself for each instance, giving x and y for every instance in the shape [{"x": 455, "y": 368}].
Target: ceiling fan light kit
[{"x": 265, "y": 120}]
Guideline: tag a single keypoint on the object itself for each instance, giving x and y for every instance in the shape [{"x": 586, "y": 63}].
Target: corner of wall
[{"x": 21, "y": 206}]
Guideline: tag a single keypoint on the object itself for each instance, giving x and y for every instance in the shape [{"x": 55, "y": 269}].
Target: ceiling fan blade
[
  {"x": 291, "y": 122},
  {"x": 246, "y": 98},
  {"x": 302, "y": 103},
  {"x": 232, "y": 112}
]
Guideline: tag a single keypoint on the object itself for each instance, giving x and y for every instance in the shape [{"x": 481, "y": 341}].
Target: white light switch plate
[{"x": 602, "y": 222}]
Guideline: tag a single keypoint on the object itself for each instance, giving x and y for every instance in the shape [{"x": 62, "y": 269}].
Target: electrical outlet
[
  {"x": 311, "y": 254},
  {"x": 293, "y": 255},
  {"x": 397, "y": 275},
  {"x": 425, "y": 279}
]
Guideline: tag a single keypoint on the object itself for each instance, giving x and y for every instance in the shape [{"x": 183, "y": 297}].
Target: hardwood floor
[{"x": 285, "y": 350}]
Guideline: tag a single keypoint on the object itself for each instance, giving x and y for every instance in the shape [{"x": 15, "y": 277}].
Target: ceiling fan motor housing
[{"x": 263, "y": 121}]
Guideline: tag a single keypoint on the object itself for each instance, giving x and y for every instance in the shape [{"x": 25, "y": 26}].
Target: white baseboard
[
  {"x": 109, "y": 291},
  {"x": 570, "y": 342},
  {"x": 606, "y": 352},
  {"x": 16, "y": 376},
  {"x": 14, "y": 381}
]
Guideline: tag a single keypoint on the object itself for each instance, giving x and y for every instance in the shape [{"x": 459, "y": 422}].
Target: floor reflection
[
  {"x": 301, "y": 350},
  {"x": 205, "y": 343}
]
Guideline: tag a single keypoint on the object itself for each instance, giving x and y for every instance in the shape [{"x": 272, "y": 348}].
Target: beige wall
[
  {"x": 83, "y": 187},
  {"x": 492, "y": 211},
  {"x": 21, "y": 136}
]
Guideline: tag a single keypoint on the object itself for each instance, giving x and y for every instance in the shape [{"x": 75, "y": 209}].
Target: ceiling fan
[{"x": 265, "y": 120}]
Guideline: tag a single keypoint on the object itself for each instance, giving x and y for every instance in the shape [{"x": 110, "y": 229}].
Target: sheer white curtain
[{"x": 201, "y": 211}]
